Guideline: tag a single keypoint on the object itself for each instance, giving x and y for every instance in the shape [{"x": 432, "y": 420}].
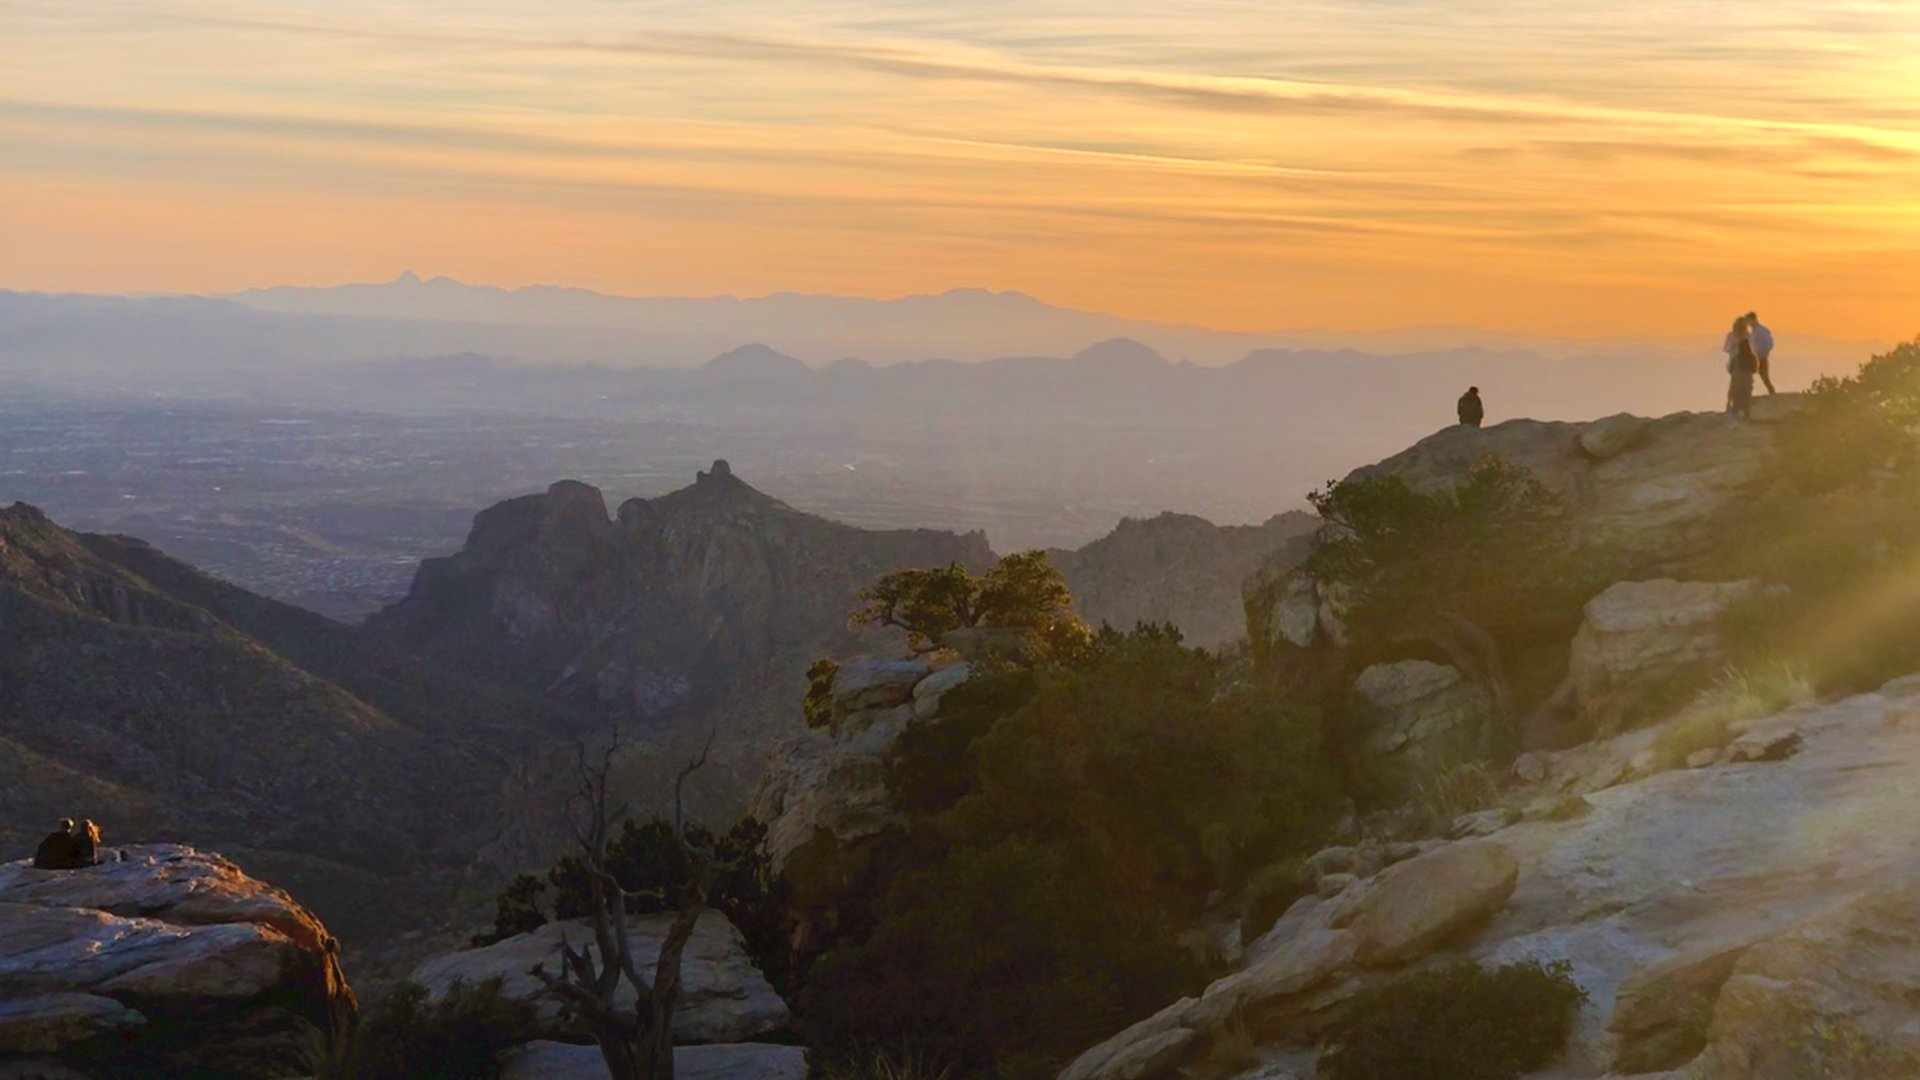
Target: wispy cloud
[{"x": 1112, "y": 152}]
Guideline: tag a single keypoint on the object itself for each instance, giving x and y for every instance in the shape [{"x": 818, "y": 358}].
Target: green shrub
[
  {"x": 1459, "y": 1022},
  {"x": 405, "y": 1036},
  {"x": 516, "y": 911},
  {"x": 817, "y": 707}
]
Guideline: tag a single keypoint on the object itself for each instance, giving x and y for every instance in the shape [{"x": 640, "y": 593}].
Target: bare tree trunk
[{"x": 618, "y": 1052}]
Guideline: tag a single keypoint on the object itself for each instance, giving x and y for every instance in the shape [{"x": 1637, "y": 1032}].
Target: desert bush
[
  {"x": 516, "y": 911},
  {"x": 1458, "y": 1022},
  {"x": 406, "y": 1036},
  {"x": 1736, "y": 694}
]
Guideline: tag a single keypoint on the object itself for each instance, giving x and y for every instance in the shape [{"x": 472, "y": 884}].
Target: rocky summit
[
  {"x": 163, "y": 961},
  {"x": 713, "y": 597}
]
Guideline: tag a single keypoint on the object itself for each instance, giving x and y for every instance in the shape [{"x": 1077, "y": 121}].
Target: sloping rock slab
[
  {"x": 1832, "y": 997},
  {"x": 743, "y": 1061},
  {"x": 1415, "y": 905},
  {"x": 93, "y": 960},
  {"x": 723, "y": 997}
]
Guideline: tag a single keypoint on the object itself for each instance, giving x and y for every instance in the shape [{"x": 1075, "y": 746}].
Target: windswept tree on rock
[
  {"x": 1022, "y": 599},
  {"x": 635, "y": 1040},
  {"x": 1458, "y": 568}
]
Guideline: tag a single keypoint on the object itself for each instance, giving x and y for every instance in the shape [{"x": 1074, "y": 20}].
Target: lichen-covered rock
[
  {"x": 1831, "y": 997},
  {"x": 1636, "y": 637},
  {"x": 164, "y": 959},
  {"x": 1426, "y": 717},
  {"x": 1661, "y": 1011},
  {"x": 723, "y": 997}
]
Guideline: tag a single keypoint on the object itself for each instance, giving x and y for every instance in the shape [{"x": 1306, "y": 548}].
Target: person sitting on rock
[
  {"x": 56, "y": 851},
  {"x": 86, "y": 844},
  {"x": 1471, "y": 411}
]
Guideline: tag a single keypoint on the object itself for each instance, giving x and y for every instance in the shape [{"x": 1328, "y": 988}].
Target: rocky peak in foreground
[
  {"x": 1652, "y": 492},
  {"x": 163, "y": 961}
]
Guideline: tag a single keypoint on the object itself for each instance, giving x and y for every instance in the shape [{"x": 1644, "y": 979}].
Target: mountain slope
[
  {"x": 132, "y": 692},
  {"x": 1175, "y": 568}
]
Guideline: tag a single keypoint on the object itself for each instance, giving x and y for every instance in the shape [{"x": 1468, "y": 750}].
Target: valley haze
[{"x": 314, "y": 443}]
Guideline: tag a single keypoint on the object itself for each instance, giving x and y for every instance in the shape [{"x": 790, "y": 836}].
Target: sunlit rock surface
[
  {"x": 164, "y": 959},
  {"x": 1751, "y": 919}
]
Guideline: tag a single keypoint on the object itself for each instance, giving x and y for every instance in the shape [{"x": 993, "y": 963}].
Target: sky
[{"x": 1602, "y": 167}]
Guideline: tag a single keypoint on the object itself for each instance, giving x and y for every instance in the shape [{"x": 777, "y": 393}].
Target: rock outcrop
[
  {"x": 1649, "y": 492},
  {"x": 1752, "y": 920},
  {"x": 1315, "y": 960},
  {"x": 723, "y": 997},
  {"x": 162, "y": 960},
  {"x": 825, "y": 798},
  {"x": 1426, "y": 717},
  {"x": 1637, "y": 637}
]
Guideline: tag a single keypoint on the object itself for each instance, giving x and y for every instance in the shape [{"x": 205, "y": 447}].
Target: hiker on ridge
[
  {"x": 1762, "y": 339},
  {"x": 1743, "y": 361},
  {"x": 1470, "y": 409}
]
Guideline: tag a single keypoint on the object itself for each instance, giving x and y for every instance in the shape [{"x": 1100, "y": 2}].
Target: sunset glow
[{"x": 1609, "y": 167}]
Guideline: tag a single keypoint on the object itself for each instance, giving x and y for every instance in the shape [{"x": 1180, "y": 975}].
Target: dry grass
[
  {"x": 1459, "y": 789},
  {"x": 885, "y": 1065},
  {"x": 1736, "y": 694}
]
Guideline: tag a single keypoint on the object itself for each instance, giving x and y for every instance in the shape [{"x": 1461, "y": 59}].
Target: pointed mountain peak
[{"x": 407, "y": 277}]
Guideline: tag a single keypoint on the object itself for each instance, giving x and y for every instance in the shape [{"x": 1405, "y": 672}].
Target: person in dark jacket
[
  {"x": 56, "y": 852},
  {"x": 1471, "y": 411}
]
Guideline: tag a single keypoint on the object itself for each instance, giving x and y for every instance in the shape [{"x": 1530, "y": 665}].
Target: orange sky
[{"x": 1607, "y": 167}]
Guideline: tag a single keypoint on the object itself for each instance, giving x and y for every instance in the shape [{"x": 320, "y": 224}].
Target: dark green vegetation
[
  {"x": 406, "y": 1036},
  {"x": 1069, "y": 819},
  {"x": 1458, "y": 1022},
  {"x": 1838, "y": 522},
  {"x": 1020, "y": 593}
]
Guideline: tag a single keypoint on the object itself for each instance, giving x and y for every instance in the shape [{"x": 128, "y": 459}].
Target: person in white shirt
[{"x": 1762, "y": 339}]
